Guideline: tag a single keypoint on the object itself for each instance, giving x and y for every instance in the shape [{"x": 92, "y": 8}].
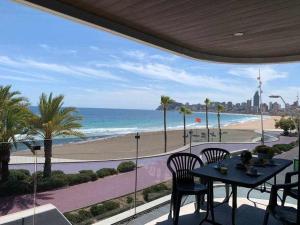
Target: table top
[{"x": 239, "y": 177}]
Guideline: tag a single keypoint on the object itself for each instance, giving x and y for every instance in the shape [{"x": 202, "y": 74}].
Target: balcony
[{"x": 77, "y": 198}]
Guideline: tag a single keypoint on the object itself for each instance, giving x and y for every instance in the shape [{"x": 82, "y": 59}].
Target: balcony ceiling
[{"x": 237, "y": 31}]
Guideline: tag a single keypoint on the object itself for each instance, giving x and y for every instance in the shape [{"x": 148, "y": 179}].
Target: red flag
[{"x": 198, "y": 120}]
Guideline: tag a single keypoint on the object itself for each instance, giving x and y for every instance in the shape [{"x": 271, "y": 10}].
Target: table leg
[
  {"x": 210, "y": 205},
  {"x": 211, "y": 200},
  {"x": 234, "y": 203}
]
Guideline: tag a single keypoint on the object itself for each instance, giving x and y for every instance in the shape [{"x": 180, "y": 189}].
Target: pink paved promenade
[{"x": 86, "y": 194}]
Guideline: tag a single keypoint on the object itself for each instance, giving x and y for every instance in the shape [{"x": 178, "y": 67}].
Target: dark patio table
[{"x": 236, "y": 177}]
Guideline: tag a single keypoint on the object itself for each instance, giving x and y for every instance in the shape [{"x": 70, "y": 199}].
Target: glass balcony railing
[{"x": 86, "y": 185}]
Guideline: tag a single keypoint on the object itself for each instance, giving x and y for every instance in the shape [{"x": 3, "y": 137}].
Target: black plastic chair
[
  {"x": 292, "y": 192},
  {"x": 286, "y": 215},
  {"x": 180, "y": 165},
  {"x": 214, "y": 155}
]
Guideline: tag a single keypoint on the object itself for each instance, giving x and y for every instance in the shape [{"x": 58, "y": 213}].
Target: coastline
[
  {"x": 151, "y": 143},
  {"x": 269, "y": 123}
]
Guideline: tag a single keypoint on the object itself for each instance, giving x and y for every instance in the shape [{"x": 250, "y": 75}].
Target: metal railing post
[
  {"x": 191, "y": 133},
  {"x": 137, "y": 137}
]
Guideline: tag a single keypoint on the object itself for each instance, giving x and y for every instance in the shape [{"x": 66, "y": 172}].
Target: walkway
[
  {"x": 153, "y": 171},
  {"x": 74, "y": 167}
]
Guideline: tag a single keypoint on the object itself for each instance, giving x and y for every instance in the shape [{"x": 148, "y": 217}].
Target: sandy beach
[
  {"x": 151, "y": 143},
  {"x": 269, "y": 123}
]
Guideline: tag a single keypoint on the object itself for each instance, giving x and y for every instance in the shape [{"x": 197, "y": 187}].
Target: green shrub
[
  {"x": 90, "y": 173},
  {"x": 19, "y": 182},
  {"x": 53, "y": 182},
  {"x": 129, "y": 199},
  {"x": 57, "y": 172},
  {"x": 111, "y": 205},
  {"x": 74, "y": 218},
  {"x": 106, "y": 172},
  {"x": 286, "y": 124},
  {"x": 126, "y": 166},
  {"x": 15, "y": 186},
  {"x": 154, "y": 189},
  {"x": 263, "y": 149},
  {"x": 80, "y": 178},
  {"x": 99, "y": 209},
  {"x": 21, "y": 173},
  {"x": 39, "y": 174},
  {"x": 84, "y": 214},
  {"x": 283, "y": 147}
]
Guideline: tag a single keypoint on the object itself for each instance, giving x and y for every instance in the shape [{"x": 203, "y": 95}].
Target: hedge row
[
  {"x": 21, "y": 181},
  {"x": 156, "y": 189},
  {"x": 275, "y": 149},
  {"x": 85, "y": 215}
]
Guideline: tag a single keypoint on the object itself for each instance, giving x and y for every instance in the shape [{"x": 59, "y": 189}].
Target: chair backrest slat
[
  {"x": 213, "y": 155},
  {"x": 180, "y": 165}
]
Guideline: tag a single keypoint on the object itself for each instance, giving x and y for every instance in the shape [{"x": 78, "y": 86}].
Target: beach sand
[
  {"x": 151, "y": 143},
  {"x": 269, "y": 123}
]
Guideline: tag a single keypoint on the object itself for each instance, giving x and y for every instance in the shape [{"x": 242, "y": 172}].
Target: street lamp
[
  {"x": 278, "y": 96},
  {"x": 261, "y": 111}
]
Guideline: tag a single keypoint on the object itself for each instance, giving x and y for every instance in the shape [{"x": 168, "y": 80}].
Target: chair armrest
[
  {"x": 288, "y": 176},
  {"x": 274, "y": 190}
]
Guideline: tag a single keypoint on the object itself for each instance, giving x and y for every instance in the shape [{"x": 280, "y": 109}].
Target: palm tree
[
  {"x": 220, "y": 108},
  {"x": 54, "y": 120},
  {"x": 184, "y": 111},
  {"x": 165, "y": 101},
  {"x": 14, "y": 118},
  {"x": 207, "y": 102}
]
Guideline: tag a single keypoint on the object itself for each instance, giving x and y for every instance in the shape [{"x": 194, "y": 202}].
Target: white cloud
[
  {"x": 141, "y": 55},
  {"x": 124, "y": 98},
  {"x": 289, "y": 94},
  {"x": 267, "y": 73},
  {"x": 69, "y": 70},
  {"x": 94, "y": 48},
  {"x": 164, "y": 72},
  {"x": 137, "y": 54},
  {"x": 10, "y": 74},
  {"x": 55, "y": 50}
]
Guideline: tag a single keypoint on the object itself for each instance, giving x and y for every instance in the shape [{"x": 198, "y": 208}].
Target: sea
[{"x": 104, "y": 123}]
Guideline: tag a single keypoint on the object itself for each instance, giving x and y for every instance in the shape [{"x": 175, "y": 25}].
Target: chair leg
[
  {"x": 177, "y": 205},
  {"x": 199, "y": 199},
  {"x": 284, "y": 195},
  {"x": 227, "y": 190},
  {"x": 266, "y": 217},
  {"x": 171, "y": 204}
]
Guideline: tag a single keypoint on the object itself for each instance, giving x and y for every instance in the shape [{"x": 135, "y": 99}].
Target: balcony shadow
[
  {"x": 245, "y": 215},
  {"x": 13, "y": 204}
]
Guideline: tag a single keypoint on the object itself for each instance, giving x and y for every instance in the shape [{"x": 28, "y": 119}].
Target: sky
[{"x": 41, "y": 52}]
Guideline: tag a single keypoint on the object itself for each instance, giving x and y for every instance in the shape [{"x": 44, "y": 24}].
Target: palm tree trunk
[
  {"x": 184, "y": 131},
  {"x": 206, "y": 113},
  {"x": 219, "y": 126},
  {"x": 5, "y": 157},
  {"x": 165, "y": 128},
  {"x": 48, "y": 155}
]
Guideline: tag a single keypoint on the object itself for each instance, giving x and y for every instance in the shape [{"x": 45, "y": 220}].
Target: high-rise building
[
  {"x": 270, "y": 106},
  {"x": 249, "y": 104},
  {"x": 264, "y": 107},
  {"x": 256, "y": 102},
  {"x": 256, "y": 99}
]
